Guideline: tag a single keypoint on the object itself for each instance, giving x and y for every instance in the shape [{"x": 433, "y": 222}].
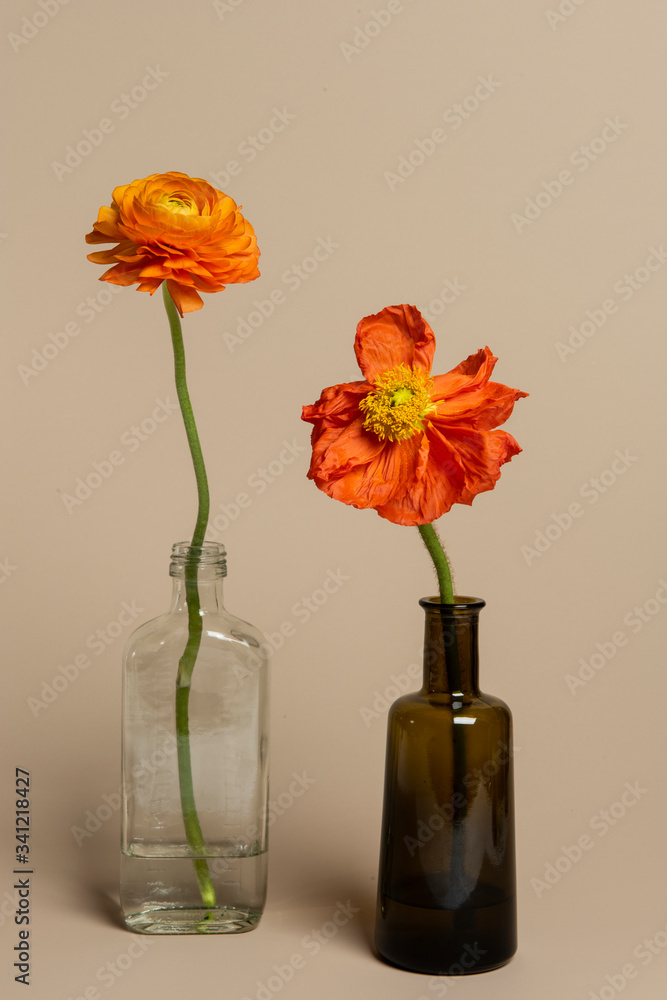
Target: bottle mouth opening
[
  {"x": 461, "y": 605},
  {"x": 209, "y": 555}
]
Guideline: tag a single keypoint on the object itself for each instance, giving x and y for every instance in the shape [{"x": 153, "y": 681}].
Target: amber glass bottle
[{"x": 447, "y": 884}]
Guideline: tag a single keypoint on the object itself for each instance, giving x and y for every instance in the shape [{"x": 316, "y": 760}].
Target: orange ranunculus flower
[
  {"x": 402, "y": 442},
  {"x": 175, "y": 228}
]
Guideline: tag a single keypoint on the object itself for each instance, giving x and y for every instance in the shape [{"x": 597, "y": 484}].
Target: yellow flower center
[
  {"x": 398, "y": 404},
  {"x": 179, "y": 204}
]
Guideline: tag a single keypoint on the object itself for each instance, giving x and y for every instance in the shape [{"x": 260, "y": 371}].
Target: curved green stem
[
  {"x": 437, "y": 554},
  {"x": 441, "y": 563},
  {"x": 187, "y": 662},
  {"x": 457, "y": 892},
  {"x": 188, "y": 417}
]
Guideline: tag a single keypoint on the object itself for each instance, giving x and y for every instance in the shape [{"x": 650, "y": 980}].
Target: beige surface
[{"x": 548, "y": 86}]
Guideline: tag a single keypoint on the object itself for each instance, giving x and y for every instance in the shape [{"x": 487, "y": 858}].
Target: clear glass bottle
[
  {"x": 227, "y": 712},
  {"x": 447, "y": 882}
]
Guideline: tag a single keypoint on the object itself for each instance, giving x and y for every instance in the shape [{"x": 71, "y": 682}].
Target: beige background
[{"x": 554, "y": 77}]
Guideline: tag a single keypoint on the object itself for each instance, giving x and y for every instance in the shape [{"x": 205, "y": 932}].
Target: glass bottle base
[
  {"x": 159, "y": 893},
  {"x": 163, "y": 920},
  {"x": 475, "y": 938}
]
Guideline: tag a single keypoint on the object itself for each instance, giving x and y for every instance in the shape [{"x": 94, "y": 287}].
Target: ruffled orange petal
[
  {"x": 107, "y": 228},
  {"x": 150, "y": 285},
  {"x": 121, "y": 274},
  {"x": 479, "y": 456},
  {"x": 338, "y": 450},
  {"x": 432, "y": 492},
  {"x": 186, "y": 299},
  {"x": 203, "y": 243},
  {"x": 414, "y": 480},
  {"x": 337, "y": 406},
  {"x": 465, "y": 395},
  {"x": 483, "y": 459},
  {"x": 356, "y": 468},
  {"x": 397, "y": 335},
  {"x": 156, "y": 271},
  {"x": 472, "y": 373}
]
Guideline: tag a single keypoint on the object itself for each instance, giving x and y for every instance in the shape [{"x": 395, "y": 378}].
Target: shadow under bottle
[{"x": 447, "y": 882}]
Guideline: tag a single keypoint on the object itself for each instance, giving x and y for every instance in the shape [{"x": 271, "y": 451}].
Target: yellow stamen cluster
[
  {"x": 398, "y": 404},
  {"x": 180, "y": 204}
]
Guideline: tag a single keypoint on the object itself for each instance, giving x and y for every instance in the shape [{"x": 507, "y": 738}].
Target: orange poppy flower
[
  {"x": 175, "y": 228},
  {"x": 402, "y": 442}
]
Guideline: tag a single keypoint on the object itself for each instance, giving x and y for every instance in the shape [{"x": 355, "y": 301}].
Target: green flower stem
[
  {"x": 458, "y": 891},
  {"x": 437, "y": 554},
  {"x": 188, "y": 659},
  {"x": 441, "y": 563},
  {"x": 188, "y": 417}
]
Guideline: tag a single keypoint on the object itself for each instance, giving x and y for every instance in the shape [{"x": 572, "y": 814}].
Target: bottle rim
[
  {"x": 462, "y": 604},
  {"x": 207, "y": 552},
  {"x": 209, "y": 557}
]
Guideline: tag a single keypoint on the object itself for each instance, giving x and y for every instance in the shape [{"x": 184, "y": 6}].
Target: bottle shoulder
[
  {"x": 418, "y": 703},
  {"x": 243, "y": 631},
  {"x": 493, "y": 701},
  {"x": 148, "y": 628},
  {"x": 217, "y": 628}
]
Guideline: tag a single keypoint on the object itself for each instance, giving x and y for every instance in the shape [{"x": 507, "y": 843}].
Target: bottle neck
[
  {"x": 197, "y": 573},
  {"x": 210, "y": 597},
  {"x": 451, "y": 662}
]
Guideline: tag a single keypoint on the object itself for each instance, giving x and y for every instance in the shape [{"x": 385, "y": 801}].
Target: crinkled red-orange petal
[
  {"x": 337, "y": 405},
  {"x": 431, "y": 493},
  {"x": 456, "y": 456},
  {"x": 397, "y": 335},
  {"x": 355, "y": 467},
  {"x": 465, "y": 395}
]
